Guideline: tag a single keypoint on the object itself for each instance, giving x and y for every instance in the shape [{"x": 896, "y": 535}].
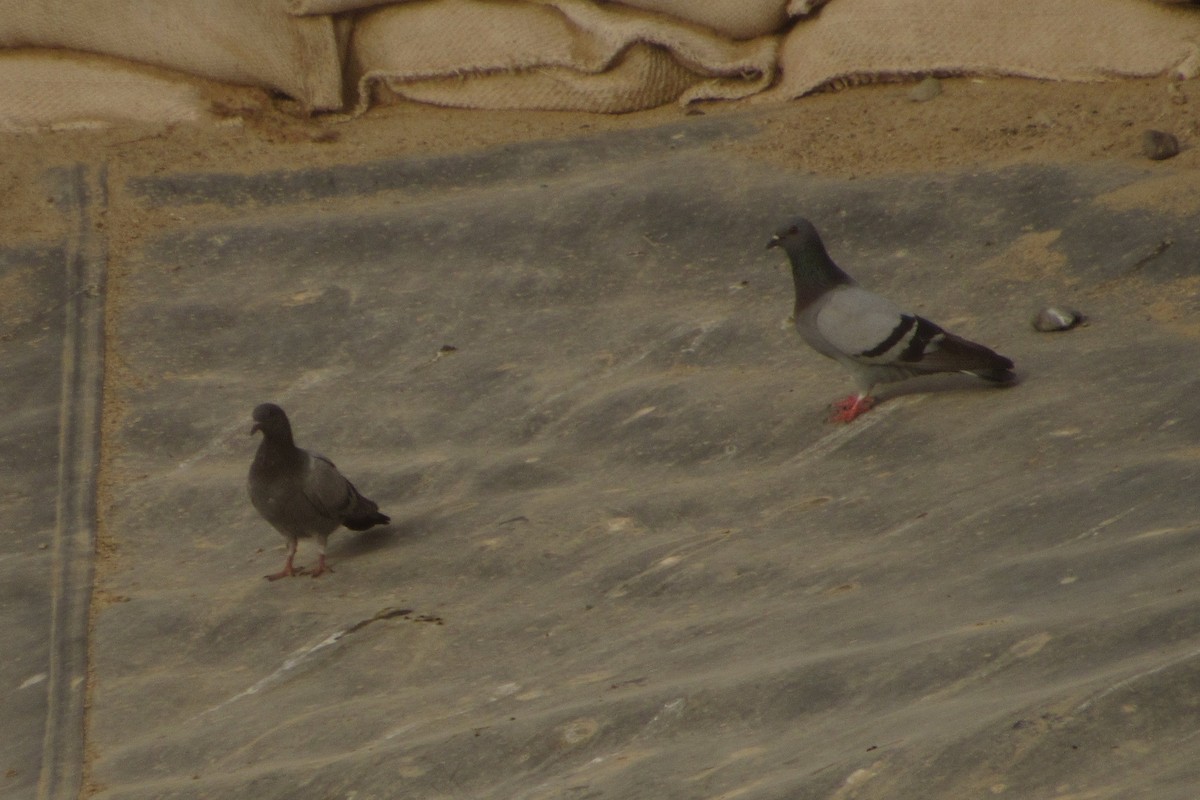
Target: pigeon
[
  {"x": 869, "y": 335},
  {"x": 301, "y": 493}
]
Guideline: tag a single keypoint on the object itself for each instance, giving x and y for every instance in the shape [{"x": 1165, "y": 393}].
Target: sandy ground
[
  {"x": 628, "y": 559},
  {"x": 869, "y": 130}
]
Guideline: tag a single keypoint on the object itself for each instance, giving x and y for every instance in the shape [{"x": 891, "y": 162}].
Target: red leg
[
  {"x": 288, "y": 570},
  {"x": 849, "y": 408},
  {"x": 322, "y": 567}
]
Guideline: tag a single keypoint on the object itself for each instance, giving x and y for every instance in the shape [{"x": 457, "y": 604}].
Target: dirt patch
[
  {"x": 858, "y": 131},
  {"x": 1177, "y": 193}
]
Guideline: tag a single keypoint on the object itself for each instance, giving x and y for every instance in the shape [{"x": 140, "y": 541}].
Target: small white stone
[{"x": 1051, "y": 319}]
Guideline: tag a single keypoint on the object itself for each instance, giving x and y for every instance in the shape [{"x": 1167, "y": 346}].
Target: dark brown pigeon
[
  {"x": 868, "y": 334},
  {"x": 301, "y": 493}
]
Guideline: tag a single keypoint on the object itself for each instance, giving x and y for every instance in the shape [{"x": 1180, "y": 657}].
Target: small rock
[
  {"x": 927, "y": 89},
  {"x": 1159, "y": 145},
  {"x": 1051, "y": 319},
  {"x": 1043, "y": 120}
]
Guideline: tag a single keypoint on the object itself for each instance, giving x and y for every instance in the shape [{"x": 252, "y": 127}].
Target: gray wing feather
[
  {"x": 327, "y": 489},
  {"x": 853, "y": 321}
]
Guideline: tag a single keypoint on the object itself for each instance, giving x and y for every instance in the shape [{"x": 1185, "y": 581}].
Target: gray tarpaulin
[{"x": 627, "y": 557}]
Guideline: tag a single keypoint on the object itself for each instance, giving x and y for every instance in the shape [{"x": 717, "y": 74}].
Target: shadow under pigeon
[
  {"x": 942, "y": 384},
  {"x": 400, "y": 533},
  {"x": 366, "y": 542}
]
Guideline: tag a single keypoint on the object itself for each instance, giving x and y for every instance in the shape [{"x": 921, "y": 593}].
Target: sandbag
[
  {"x": 51, "y": 90},
  {"x": 736, "y": 19},
  {"x": 251, "y": 42},
  {"x": 1078, "y": 40},
  {"x": 553, "y": 55}
]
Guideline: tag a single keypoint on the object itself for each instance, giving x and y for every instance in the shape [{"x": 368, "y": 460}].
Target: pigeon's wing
[
  {"x": 945, "y": 352},
  {"x": 327, "y": 490},
  {"x": 872, "y": 330},
  {"x": 864, "y": 326},
  {"x": 332, "y": 494}
]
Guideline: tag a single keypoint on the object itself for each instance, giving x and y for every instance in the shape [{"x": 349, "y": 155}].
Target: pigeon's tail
[
  {"x": 997, "y": 375},
  {"x": 962, "y": 355},
  {"x": 364, "y": 513},
  {"x": 363, "y": 521}
]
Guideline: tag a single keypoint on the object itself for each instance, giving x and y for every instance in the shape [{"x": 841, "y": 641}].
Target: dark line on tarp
[
  {"x": 415, "y": 174},
  {"x": 61, "y": 776}
]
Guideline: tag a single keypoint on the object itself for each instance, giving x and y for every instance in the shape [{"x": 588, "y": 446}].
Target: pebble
[
  {"x": 1159, "y": 145},
  {"x": 1051, "y": 319},
  {"x": 927, "y": 89}
]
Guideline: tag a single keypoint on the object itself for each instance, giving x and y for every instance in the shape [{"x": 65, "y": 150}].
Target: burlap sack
[
  {"x": 801, "y": 8},
  {"x": 46, "y": 90},
  {"x": 1078, "y": 40},
  {"x": 303, "y": 7},
  {"x": 736, "y": 19},
  {"x": 553, "y": 55},
  {"x": 250, "y": 42}
]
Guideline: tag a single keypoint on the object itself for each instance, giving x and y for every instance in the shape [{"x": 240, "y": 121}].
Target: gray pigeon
[
  {"x": 301, "y": 493},
  {"x": 869, "y": 335}
]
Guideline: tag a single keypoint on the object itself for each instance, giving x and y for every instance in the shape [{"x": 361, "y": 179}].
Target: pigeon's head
[
  {"x": 798, "y": 233},
  {"x": 812, "y": 268},
  {"x": 270, "y": 419}
]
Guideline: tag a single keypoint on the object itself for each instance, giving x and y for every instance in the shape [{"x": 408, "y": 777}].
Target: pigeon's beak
[
  {"x": 255, "y": 428},
  {"x": 774, "y": 242}
]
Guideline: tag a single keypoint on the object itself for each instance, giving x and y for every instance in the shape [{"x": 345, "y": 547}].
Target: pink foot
[
  {"x": 322, "y": 567},
  {"x": 288, "y": 571},
  {"x": 849, "y": 408}
]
